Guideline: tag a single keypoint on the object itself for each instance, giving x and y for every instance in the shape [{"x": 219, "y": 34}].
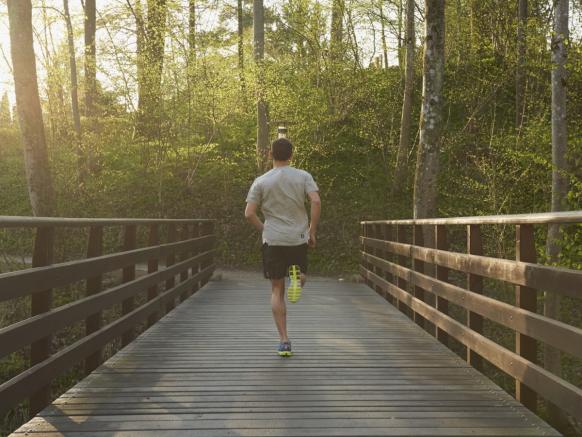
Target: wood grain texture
[{"x": 360, "y": 367}]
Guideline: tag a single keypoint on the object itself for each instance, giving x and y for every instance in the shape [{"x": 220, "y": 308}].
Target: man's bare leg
[
  {"x": 279, "y": 308},
  {"x": 303, "y": 279}
]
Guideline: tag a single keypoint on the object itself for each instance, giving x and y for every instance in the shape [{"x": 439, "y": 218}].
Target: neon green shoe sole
[
  {"x": 294, "y": 292},
  {"x": 285, "y": 354}
]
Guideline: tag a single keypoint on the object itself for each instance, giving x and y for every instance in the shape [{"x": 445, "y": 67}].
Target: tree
[
  {"x": 241, "y": 54},
  {"x": 90, "y": 57},
  {"x": 337, "y": 28},
  {"x": 559, "y": 44},
  {"x": 5, "y": 116},
  {"x": 406, "y": 119},
  {"x": 520, "y": 70},
  {"x": 262, "y": 117},
  {"x": 40, "y": 187},
  {"x": 152, "y": 63},
  {"x": 73, "y": 71},
  {"x": 192, "y": 30},
  {"x": 427, "y": 161}
]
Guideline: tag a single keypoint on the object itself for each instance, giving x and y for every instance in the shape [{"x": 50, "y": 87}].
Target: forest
[{"x": 398, "y": 108}]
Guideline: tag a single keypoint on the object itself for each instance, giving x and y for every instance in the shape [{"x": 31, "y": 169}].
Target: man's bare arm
[
  {"x": 251, "y": 216},
  {"x": 315, "y": 214}
]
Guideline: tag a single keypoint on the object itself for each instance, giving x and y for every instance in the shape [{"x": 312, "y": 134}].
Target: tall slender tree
[
  {"x": 40, "y": 186},
  {"x": 262, "y": 117},
  {"x": 337, "y": 29},
  {"x": 431, "y": 118},
  {"x": 152, "y": 63},
  {"x": 559, "y": 45},
  {"x": 520, "y": 70},
  {"x": 241, "y": 53},
  {"x": 406, "y": 118},
  {"x": 73, "y": 70},
  {"x": 90, "y": 23},
  {"x": 192, "y": 30}
]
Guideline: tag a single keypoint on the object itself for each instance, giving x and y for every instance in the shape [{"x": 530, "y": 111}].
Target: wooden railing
[
  {"x": 396, "y": 263},
  {"x": 186, "y": 258}
]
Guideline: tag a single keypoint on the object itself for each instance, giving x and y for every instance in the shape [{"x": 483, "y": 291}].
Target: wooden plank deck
[{"x": 360, "y": 368}]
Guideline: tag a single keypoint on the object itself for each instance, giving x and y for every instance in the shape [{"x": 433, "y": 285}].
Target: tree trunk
[
  {"x": 40, "y": 187},
  {"x": 90, "y": 57},
  {"x": 149, "y": 103},
  {"x": 81, "y": 162},
  {"x": 192, "y": 30},
  {"x": 140, "y": 54},
  {"x": 73, "y": 68},
  {"x": 520, "y": 70},
  {"x": 559, "y": 44},
  {"x": 262, "y": 118},
  {"x": 406, "y": 119},
  {"x": 384, "y": 44},
  {"x": 427, "y": 163},
  {"x": 337, "y": 29},
  {"x": 241, "y": 54},
  {"x": 400, "y": 13}
]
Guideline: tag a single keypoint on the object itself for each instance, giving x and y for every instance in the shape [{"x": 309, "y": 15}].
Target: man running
[{"x": 281, "y": 193}]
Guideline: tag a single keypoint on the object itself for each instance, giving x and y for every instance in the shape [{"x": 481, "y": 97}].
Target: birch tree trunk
[
  {"x": 262, "y": 118},
  {"x": 520, "y": 70},
  {"x": 90, "y": 57},
  {"x": 406, "y": 119},
  {"x": 38, "y": 176},
  {"x": 560, "y": 37},
  {"x": 427, "y": 163}
]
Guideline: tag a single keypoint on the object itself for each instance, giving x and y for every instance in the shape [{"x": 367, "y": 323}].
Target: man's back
[{"x": 282, "y": 192}]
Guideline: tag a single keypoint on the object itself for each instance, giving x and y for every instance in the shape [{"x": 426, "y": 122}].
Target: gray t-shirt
[{"x": 281, "y": 193}]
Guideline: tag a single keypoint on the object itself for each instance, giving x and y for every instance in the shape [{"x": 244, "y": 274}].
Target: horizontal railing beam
[
  {"x": 567, "y": 282},
  {"x": 21, "y": 334},
  {"x": 515, "y": 219},
  {"x": 560, "y": 392},
  {"x": 26, "y": 383},
  {"x": 34, "y": 280},
  {"x": 33, "y": 222},
  {"x": 560, "y": 335}
]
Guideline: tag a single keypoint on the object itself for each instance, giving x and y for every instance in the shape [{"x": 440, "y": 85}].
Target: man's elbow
[{"x": 249, "y": 216}]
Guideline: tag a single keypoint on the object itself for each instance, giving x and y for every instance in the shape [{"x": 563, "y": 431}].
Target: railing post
[
  {"x": 526, "y": 298},
  {"x": 94, "y": 321},
  {"x": 127, "y": 306},
  {"x": 418, "y": 266},
  {"x": 474, "y": 284},
  {"x": 387, "y": 236},
  {"x": 196, "y": 232},
  {"x": 400, "y": 282},
  {"x": 170, "y": 260},
  {"x": 378, "y": 253},
  {"x": 442, "y": 274},
  {"x": 185, "y": 255},
  {"x": 40, "y": 303},
  {"x": 153, "y": 240}
]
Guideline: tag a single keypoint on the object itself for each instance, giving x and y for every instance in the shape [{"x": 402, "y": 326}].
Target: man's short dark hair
[{"x": 281, "y": 149}]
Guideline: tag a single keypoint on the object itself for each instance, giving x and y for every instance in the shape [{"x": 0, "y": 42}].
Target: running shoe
[
  {"x": 284, "y": 349},
  {"x": 294, "y": 293}
]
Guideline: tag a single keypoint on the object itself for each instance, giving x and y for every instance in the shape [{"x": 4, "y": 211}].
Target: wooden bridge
[{"x": 361, "y": 366}]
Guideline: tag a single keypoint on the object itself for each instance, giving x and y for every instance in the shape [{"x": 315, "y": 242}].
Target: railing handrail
[
  {"x": 513, "y": 219},
  {"x": 25, "y": 222},
  {"x": 393, "y": 262},
  {"x": 186, "y": 252}
]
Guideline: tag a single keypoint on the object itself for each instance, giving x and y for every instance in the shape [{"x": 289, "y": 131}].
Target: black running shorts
[{"x": 278, "y": 259}]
